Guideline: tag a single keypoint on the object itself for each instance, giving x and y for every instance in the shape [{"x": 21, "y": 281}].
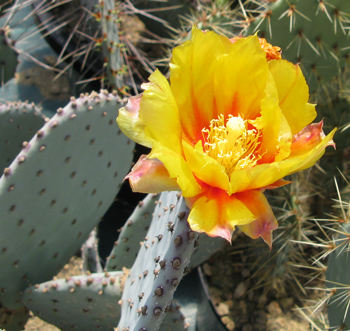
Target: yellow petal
[
  {"x": 240, "y": 79},
  {"x": 204, "y": 167},
  {"x": 159, "y": 113},
  {"x": 178, "y": 169},
  {"x": 216, "y": 213},
  {"x": 192, "y": 70},
  {"x": 264, "y": 175},
  {"x": 130, "y": 123},
  {"x": 276, "y": 134},
  {"x": 150, "y": 176},
  {"x": 293, "y": 94},
  {"x": 265, "y": 222}
]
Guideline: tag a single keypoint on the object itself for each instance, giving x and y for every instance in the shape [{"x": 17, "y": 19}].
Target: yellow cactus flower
[{"x": 234, "y": 120}]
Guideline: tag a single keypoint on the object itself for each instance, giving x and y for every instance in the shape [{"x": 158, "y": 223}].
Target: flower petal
[
  {"x": 216, "y": 213},
  {"x": 159, "y": 113},
  {"x": 307, "y": 138},
  {"x": 293, "y": 94},
  {"x": 130, "y": 123},
  {"x": 178, "y": 169},
  {"x": 263, "y": 175},
  {"x": 150, "y": 176},
  {"x": 276, "y": 133},
  {"x": 265, "y": 222},
  {"x": 278, "y": 183},
  {"x": 240, "y": 79},
  {"x": 192, "y": 71},
  {"x": 204, "y": 167}
]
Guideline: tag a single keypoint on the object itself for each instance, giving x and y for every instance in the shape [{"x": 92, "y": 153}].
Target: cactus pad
[
  {"x": 133, "y": 232},
  {"x": 159, "y": 266},
  {"x": 55, "y": 191},
  {"x": 8, "y": 56},
  {"x": 338, "y": 281},
  {"x": 18, "y": 123},
  {"x": 86, "y": 302},
  {"x": 312, "y": 33}
]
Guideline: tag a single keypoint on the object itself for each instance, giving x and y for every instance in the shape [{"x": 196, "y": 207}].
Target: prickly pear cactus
[
  {"x": 338, "y": 281},
  {"x": 159, "y": 266},
  {"x": 111, "y": 44},
  {"x": 312, "y": 32},
  {"x": 86, "y": 302},
  {"x": 133, "y": 232},
  {"x": 56, "y": 190},
  {"x": 8, "y": 56},
  {"x": 18, "y": 123},
  {"x": 89, "y": 254}
]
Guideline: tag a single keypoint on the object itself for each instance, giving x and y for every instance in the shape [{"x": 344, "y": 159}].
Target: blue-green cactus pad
[
  {"x": 87, "y": 303},
  {"x": 82, "y": 303},
  {"x": 18, "y": 123},
  {"x": 159, "y": 266},
  {"x": 133, "y": 232},
  {"x": 56, "y": 190}
]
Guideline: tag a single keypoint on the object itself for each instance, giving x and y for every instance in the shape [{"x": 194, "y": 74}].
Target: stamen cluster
[{"x": 232, "y": 145}]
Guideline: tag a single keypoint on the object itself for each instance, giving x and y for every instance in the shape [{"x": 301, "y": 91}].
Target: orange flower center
[{"x": 232, "y": 145}]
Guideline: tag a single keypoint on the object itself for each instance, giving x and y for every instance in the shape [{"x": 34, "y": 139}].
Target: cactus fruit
[
  {"x": 133, "y": 232},
  {"x": 18, "y": 123},
  {"x": 313, "y": 33},
  {"x": 55, "y": 191},
  {"x": 159, "y": 266}
]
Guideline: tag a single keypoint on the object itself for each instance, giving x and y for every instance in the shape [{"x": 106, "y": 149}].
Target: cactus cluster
[
  {"x": 62, "y": 173},
  {"x": 312, "y": 33}
]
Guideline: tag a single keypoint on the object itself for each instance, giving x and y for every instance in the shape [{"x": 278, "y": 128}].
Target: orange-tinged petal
[
  {"x": 278, "y": 183},
  {"x": 204, "y": 167},
  {"x": 263, "y": 175},
  {"x": 317, "y": 153},
  {"x": 159, "y": 113},
  {"x": 217, "y": 214},
  {"x": 293, "y": 94},
  {"x": 307, "y": 138},
  {"x": 150, "y": 176},
  {"x": 272, "y": 52},
  {"x": 240, "y": 79},
  {"x": 265, "y": 222},
  {"x": 130, "y": 123},
  {"x": 177, "y": 168},
  {"x": 192, "y": 70}
]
